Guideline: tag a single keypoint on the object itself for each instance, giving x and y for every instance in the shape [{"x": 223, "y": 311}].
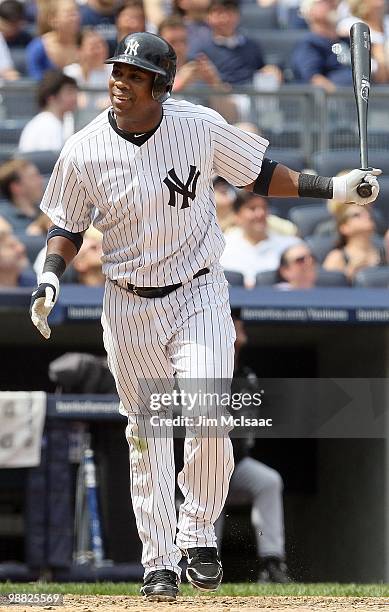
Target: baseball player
[{"x": 141, "y": 172}]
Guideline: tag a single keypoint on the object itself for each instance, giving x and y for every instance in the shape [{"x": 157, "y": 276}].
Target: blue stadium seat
[
  {"x": 329, "y": 163},
  {"x": 44, "y": 160},
  {"x": 377, "y": 276},
  {"x": 381, "y": 205},
  {"x": 4, "y": 205},
  {"x": 33, "y": 245},
  {"x": 253, "y": 16},
  {"x": 325, "y": 278},
  {"x": 307, "y": 217},
  {"x": 289, "y": 157},
  {"x": 331, "y": 278},
  {"x": 10, "y": 130},
  {"x": 6, "y": 154},
  {"x": 20, "y": 102},
  {"x": 234, "y": 278},
  {"x": 321, "y": 246},
  {"x": 18, "y": 55},
  {"x": 266, "y": 278},
  {"x": 283, "y": 206},
  {"x": 276, "y": 45}
]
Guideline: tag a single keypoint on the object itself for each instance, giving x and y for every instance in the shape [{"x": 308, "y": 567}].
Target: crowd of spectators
[
  {"x": 50, "y": 32},
  {"x": 66, "y": 43}
]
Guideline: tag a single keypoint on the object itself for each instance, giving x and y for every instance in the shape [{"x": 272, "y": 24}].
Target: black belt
[{"x": 157, "y": 292}]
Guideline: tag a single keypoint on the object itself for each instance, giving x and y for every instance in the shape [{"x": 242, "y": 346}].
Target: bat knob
[{"x": 364, "y": 190}]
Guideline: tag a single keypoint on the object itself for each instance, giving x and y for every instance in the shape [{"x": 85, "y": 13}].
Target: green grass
[{"x": 242, "y": 590}]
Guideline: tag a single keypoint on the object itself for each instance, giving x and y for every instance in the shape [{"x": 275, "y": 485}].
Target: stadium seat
[
  {"x": 20, "y": 102},
  {"x": 372, "y": 277},
  {"x": 44, "y": 160},
  {"x": 284, "y": 205},
  {"x": 18, "y": 55},
  {"x": 325, "y": 278},
  {"x": 6, "y": 154},
  {"x": 33, "y": 245},
  {"x": 266, "y": 278},
  {"x": 253, "y": 16},
  {"x": 277, "y": 46},
  {"x": 10, "y": 130},
  {"x": 381, "y": 205},
  {"x": 307, "y": 217},
  {"x": 234, "y": 278},
  {"x": 331, "y": 278},
  {"x": 290, "y": 139},
  {"x": 329, "y": 163},
  {"x": 321, "y": 246},
  {"x": 289, "y": 157}
]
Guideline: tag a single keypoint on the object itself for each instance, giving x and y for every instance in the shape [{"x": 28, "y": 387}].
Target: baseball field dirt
[
  {"x": 246, "y": 597},
  {"x": 119, "y": 603}
]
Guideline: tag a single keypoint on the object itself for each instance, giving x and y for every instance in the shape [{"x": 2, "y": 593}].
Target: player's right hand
[
  {"x": 43, "y": 300},
  {"x": 345, "y": 186}
]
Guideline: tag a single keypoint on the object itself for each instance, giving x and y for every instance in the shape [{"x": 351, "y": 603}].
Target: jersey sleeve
[
  {"x": 238, "y": 155},
  {"x": 65, "y": 200}
]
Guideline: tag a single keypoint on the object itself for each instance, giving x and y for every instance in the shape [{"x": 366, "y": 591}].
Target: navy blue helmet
[{"x": 149, "y": 52}]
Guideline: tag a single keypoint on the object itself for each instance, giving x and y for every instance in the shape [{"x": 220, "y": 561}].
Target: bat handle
[{"x": 364, "y": 190}]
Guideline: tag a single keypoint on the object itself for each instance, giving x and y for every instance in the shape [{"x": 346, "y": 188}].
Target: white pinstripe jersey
[{"x": 153, "y": 203}]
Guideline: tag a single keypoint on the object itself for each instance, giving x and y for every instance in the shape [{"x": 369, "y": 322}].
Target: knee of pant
[
  {"x": 270, "y": 479},
  {"x": 275, "y": 479}
]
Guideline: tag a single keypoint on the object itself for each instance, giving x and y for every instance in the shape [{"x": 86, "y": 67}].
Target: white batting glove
[
  {"x": 42, "y": 302},
  {"x": 345, "y": 187}
]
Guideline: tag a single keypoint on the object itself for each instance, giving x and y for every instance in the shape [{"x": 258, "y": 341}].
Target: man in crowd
[
  {"x": 14, "y": 263},
  {"x": 322, "y": 58},
  {"x": 252, "y": 247},
  {"x": 22, "y": 185},
  {"x": 12, "y": 19},
  {"x": 236, "y": 57},
  {"x": 99, "y": 13},
  {"x": 197, "y": 71},
  {"x": 298, "y": 268},
  {"x": 50, "y": 128}
]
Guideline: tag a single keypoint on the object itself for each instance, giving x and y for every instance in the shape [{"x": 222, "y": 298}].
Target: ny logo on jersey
[
  {"x": 132, "y": 48},
  {"x": 176, "y": 186}
]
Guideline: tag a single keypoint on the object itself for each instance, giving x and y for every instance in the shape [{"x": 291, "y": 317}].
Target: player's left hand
[
  {"x": 345, "y": 187},
  {"x": 43, "y": 300}
]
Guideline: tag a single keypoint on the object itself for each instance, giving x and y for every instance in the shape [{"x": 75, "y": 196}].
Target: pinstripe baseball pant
[{"x": 188, "y": 334}]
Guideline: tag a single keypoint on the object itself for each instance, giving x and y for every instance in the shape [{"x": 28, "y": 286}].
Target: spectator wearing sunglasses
[
  {"x": 356, "y": 248},
  {"x": 297, "y": 269}
]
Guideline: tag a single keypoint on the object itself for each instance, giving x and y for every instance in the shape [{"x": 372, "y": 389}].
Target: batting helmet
[{"x": 149, "y": 52}]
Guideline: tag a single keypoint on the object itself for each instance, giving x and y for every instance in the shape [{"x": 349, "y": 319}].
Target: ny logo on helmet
[{"x": 132, "y": 48}]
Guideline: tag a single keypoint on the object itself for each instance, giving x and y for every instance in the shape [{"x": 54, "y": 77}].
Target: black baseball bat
[{"x": 361, "y": 68}]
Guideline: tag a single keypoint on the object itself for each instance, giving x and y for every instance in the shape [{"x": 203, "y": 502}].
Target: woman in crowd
[
  {"x": 356, "y": 248},
  {"x": 58, "y": 47},
  {"x": 90, "y": 70}
]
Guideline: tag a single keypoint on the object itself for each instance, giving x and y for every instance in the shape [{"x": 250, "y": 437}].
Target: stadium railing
[{"x": 294, "y": 117}]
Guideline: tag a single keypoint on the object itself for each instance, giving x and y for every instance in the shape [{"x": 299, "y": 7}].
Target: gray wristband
[
  {"x": 55, "y": 263},
  {"x": 312, "y": 186}
]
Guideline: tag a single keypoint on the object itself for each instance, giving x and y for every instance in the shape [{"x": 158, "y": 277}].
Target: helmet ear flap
[{"x": 161, "y": 88}]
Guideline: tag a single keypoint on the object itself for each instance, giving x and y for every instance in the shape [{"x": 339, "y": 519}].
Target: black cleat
[
  {"x": 274, "y": 570},
  {"x": 160, "y": 585},
  {"x": 204, "y": 569}
]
